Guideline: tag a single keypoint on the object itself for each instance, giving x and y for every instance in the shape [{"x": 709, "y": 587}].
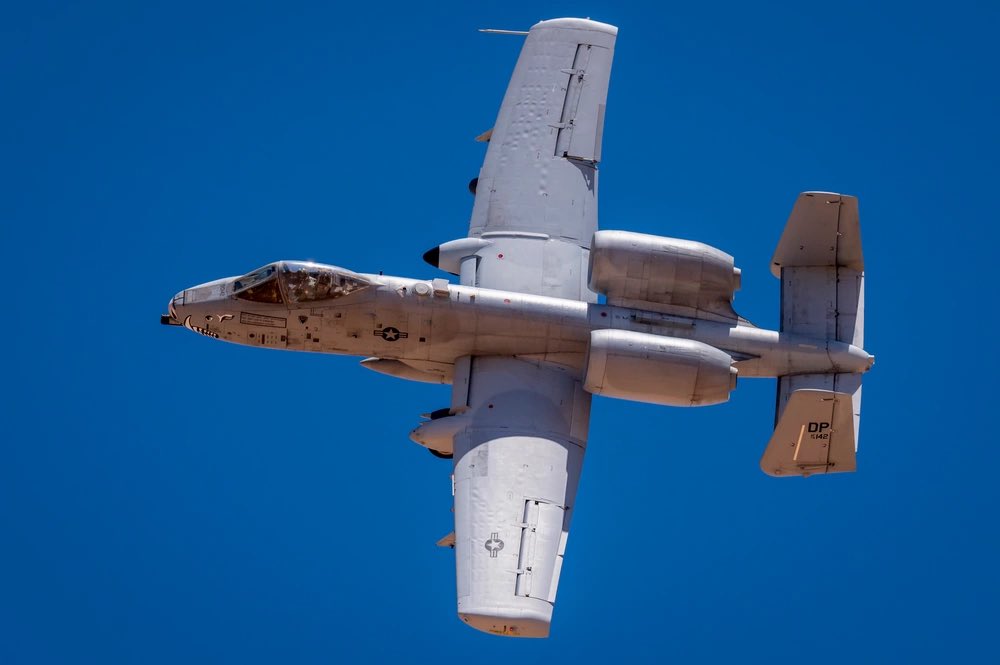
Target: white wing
[
  {"x": 519, "y": 454},
  {"x": 517, "y": 465},
  {"x": 536, "y": 198}
]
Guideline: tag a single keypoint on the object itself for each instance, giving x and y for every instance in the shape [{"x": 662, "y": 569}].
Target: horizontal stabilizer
[{"x": 815, "y": 434}]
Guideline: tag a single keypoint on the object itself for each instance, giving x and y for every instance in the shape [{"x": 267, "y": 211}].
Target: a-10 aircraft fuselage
[{"x": 428, "y": 324}]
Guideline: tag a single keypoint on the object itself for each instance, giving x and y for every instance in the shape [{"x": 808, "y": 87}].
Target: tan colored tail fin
[{"x": 817, "y": 428}]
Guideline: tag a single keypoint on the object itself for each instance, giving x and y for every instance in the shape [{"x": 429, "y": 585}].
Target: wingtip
[{"x": 577, "y": 24}]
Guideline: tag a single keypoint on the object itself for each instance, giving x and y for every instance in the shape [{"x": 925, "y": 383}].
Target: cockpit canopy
[{"x": 297, "y": 282}]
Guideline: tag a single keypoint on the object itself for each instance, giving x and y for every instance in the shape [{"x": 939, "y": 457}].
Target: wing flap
[{"x": 580, "y": 127}]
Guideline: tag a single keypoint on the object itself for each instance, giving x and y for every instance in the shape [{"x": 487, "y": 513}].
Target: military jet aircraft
[{"x": 525, "y": 339}]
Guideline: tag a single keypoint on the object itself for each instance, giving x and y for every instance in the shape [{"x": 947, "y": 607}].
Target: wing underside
[
  {"x": 536, "y": 198},
  {"x": 518, "y": 454},
  {"x": 517, "y": 465},
  {"x": 539, "y": 173}
]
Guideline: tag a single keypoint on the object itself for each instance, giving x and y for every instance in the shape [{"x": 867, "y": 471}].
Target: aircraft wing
[
  {"x": 523, "y": 423},
  {"x": 536, "y": 197},
  {"x": 517, "y": 465}
]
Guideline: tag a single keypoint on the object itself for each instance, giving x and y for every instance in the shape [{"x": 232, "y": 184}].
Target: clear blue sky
[{"x": 166, "y": 498}]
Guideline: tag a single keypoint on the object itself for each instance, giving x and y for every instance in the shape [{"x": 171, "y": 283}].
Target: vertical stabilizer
[
  {"x": 816, "y": 432},
  {"x": 821, "y": 266}
]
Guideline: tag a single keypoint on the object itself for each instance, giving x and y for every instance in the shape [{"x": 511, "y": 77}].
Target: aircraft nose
[
  {"x": 175, "y": 303},
  {"x": 198, "y": 301},
  {"x": 173, "y": 317}
]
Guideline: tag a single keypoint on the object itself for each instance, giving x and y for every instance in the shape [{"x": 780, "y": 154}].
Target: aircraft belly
[
  {"x": 483, "y": 322},
  {"x": 482, "y": 328},
  {"x": 486, "y": 322}
]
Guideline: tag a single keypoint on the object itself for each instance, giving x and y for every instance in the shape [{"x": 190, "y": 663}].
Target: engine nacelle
[
  {"x": 640, "y": 270},
  {"x": 658, "y": 370}
]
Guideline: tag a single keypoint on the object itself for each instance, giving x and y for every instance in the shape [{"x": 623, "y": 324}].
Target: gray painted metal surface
[{"x": 524, "y": 343}]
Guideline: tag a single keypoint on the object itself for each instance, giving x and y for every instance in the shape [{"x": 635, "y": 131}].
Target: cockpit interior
[{"x": 296, "y": 282}]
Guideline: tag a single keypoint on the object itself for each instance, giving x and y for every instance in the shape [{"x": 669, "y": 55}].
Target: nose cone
[
  {"x": 173, "y": 317},
  {"x": 204, "y": 308}
]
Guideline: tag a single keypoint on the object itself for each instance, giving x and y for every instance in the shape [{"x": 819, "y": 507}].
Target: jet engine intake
[
  {"x": 663, "y": 274},
  {"x": 657, "y": 370}
]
